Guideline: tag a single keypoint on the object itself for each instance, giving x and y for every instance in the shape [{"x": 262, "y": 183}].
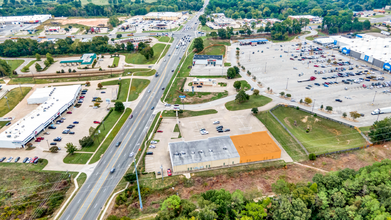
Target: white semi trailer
[{"x": 381, "y": 111}]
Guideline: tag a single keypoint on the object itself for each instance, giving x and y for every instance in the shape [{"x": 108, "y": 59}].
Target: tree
[
  {"x": 282, "y": 93},
  {"x": 38, "y": 67},
  {"x": 129, "y": 46},
  {"x": 130, "y": 177},
  {"x": 366, "y": 24},
  {"x": 66, "y": 29},
  {"x": 86, "y": 141},
  {"x": 380, "y": 131},
  {"x": 5, "y": 69},
  {"x": 198, "y": 44},
  {"x": 261, "y": 29},
  {"x": 222, "y": 33},
  {"x": 344, "y": 114},
  {"x": 237, "y": 84},
  {"x": 171, "y": 203},
  {"x": 256, "y": 92},
  {"x": 38, "y": 57},
  {"x": 254, "y": 211},
  {"x": 114, "y": 21},
  {"x": 254, "y": 111},
  {"x": 53, "y": 149},
  {"x": 237, "y": 70},
  {"x": 69, "y": 70},
  {"x": 308, "y": 100},
  {"x": 242, "y": 96},
  {"x": 231, "y": 73},
  {"x": 329, "y": 108},
  {"x": 119, "y": 36},
  {"x": 119, "y": 107},
  {"x": 354, "y": 114},
  {"x": 100, "y": 86},
  {"x": 213, "y": 34},
  {"x": 321, "y": 107},
  {"x": 49, "y": 58},
  {"x": 70, "y": 148},
  {"x": 147, "y": 52}
]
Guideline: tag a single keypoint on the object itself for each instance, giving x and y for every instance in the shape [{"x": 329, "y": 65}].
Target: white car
[
  {"x": 153, "y": 142},
  {"x": 216, "y": 122},
  {"x": 152, "y": 146},
  {"x": 149, "y": 91},
  {"x": 131, "y": 154},
  {"x": 9, "y": 159}
]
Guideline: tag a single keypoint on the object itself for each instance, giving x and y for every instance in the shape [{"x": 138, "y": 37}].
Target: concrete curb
[{"x": 70, "y": 197}]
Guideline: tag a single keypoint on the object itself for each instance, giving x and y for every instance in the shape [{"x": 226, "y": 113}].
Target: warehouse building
[
  {"x": 34, "y": 19},
  {"x": 253, "y": 42},
  {"x": 86, "y": 60},
  {"x": 374, "y": 50},
  {"x": 163, "y": 16},
  {"x": 55, "y": 100},
  {"x": 222, "y": 151},
  {"x": 208, "y": 60}
]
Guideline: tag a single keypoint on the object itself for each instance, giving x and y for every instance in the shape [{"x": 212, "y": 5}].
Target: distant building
[
  {"x": 34, "y": 19},
  {"x": 207, "y": 60},
  {"x": 388, "y": 7},
  {"x": 86, "y": 60},
  {"x": 309, "y": 17},
  {"x": 253, "y": 42},
  {"x": 204, "y": 82},
  {"x": 166, "y": 16},
  {"x": 52, "y": 29},
  {"x": 222, "y": 151},
  {"x": 217, "y": 15},
  {"x": 379, "y": 10}
]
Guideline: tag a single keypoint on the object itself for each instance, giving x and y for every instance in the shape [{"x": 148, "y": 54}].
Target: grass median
[
  {"x": 30, "y": 80},
  {"x": 115, "y": 61},
  {"x": 77, "y": 158},
  {"x": 139, "y": 72},
  {"x": 14, "y": 64},
  {"x": 26, "y": 68},
  {"x": 188, "y": 113},
  {"x": 318, "y": 135},
  {"x": 14, "y": 97},
  {"x": 253, "y": 102},
  {"x": 138, "y": 85},
  {"x": 138, "y": 58},
  {"x": 111, "y": 136}
]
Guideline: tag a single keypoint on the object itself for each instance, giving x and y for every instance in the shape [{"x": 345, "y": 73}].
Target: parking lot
[
  {"x": 274, "y": 69},
  {"x": 85, "y": 115}
]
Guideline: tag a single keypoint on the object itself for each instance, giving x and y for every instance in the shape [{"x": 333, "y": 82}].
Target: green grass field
[
  {"x": 27, "y": 67},
  {"x": 282, "y": 136},
  {"x": 77, "y": 158},
  {"x": 14, "y": 97},
  {"x": 244, "y": 85},
  {"x": 227, "y": 64},
  {"x": 14, "y": 64},
  {"x": 205, "y": 29},
  {"x": 138, "y": 85},
  {"x": 123, "y": 89},
  {"x": 30, "y": 80},
  {"x": 111, "y": 136},
  {"x": 188, "y": 113},
  {"x": 254, "y": 102},
  {"x": 139, "y": 72},
  {"x": 164, "y": 39},
  {"x": 188, "y": 61},
  {"x": 137, "y": 58},
  {"x": 214, "y": 50},
  {"x": 324, "y": 135},
  {"x": 116, "y": 61},
  {"x": 209, "y": 41}
]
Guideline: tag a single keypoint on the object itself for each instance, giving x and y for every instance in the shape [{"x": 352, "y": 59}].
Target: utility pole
[
  {"x": 313, "y": 105},
  {"x": 6, "y": 98},
  {"x": 374, "y": 98},
  {"x": 265, "y": 67},
  {"x": 287, "y": 84},
  {"x": 161, "y": 167},
  {"x": 378, "y": 114},
  {"x": 138, "y": 185},
  {"x": 21, "y": 92}
]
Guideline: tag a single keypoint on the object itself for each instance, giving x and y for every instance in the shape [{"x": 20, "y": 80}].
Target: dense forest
[
  {"x": 282, "y": 9},
  {"x": 68, "y": 8},
  {"x": 343, "y": 23},
  {"x": 28, "y": 47},
  {"x": 345, "y": 194}
]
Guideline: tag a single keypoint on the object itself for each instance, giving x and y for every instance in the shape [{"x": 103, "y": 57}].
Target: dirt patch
[
  {"x": 304, "y": 120},
  {"x": 316, "y": 120},
  {"x": 88, "y": 22},
  {"x": 335, "y": 131},
  {"x": 287, "y": 122}
]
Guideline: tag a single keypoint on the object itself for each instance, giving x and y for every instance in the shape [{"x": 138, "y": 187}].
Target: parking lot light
[{"x": 374, "y": 98}]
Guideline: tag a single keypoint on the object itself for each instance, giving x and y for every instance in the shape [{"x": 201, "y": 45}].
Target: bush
[
  {"x": 315, "y": 115},
  {"x": 74, "y": 71},
  {"x": 86, "y": 141},
  {"x": 288, "y": 95},
  {"x": 312, "y": 156},
  {"x": 62, "y": 71}
]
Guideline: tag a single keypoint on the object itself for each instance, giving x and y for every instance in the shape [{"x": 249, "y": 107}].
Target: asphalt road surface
[{"x": 91, "y": 198}]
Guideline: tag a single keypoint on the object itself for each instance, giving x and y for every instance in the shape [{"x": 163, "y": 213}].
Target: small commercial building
[
  {"x": 324, "y": 41},
  {"x": 33, "y": 19},
  {"x": 208, "y": 60},
  {"x": 52, "y": 29},
  {"x": 204, "y": 82},
  {"x": 86, "y": 60},
  {"x": 253, "y": 42},
  {"x": 256, "y": 146},
  {"x": 222, "y": 151},
  {"x": 200, "y": 154},
  {"x": 163, "y": 16},
  {"x": 311, "y": 18},
  {"x": 55, "y": 100}
]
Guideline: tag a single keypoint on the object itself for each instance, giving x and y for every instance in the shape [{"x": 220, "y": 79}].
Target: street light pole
[
  {"x": 138, "y": 185},
  {"x": 161, "y": 167},
  {"x": 378, "y": 114},
  {"x": 6, "y": 98},
  {"x": 313, "y": 105},
  {"x": 374, "y": 98},
  {"x": 287, "y": 84}
]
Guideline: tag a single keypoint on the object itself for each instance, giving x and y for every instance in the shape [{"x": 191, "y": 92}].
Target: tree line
[
  {"x": 75, "y": 8},
  {"x": 281, "y": 9},
  {"x": 344, "y": 22}
]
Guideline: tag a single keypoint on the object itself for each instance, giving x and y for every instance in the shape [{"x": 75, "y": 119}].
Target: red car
[
  {"x": 292, "y": 58},
  {"x": 316, "y": 66},
  {"x": 41, "y": 138},
  {"x": 169, "y": 172},
  {"x": 82, "y": 97},
  {"x": 69, "y": 112},
  {"x": 96, "y": 122},
  {"x": 326, "y": 83},
  {"x": 37, "y": 140},
  {"x": 35, "y": 160},
  {"x": 159, "y": 131},
  {"x": 131, "y": 116}
]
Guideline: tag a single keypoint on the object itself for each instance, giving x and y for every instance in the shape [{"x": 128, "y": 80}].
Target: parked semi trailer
[{"x": 381, "y": 111}]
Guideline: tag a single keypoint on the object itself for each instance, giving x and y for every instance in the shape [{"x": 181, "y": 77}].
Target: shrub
[
  {"x": 288, "y": 95},
  {"x": 62, "y": 71},
  {"x": 312, "y": 156}
]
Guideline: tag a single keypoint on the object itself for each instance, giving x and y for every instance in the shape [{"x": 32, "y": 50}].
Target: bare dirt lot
[{"x": 88, "y": 22}]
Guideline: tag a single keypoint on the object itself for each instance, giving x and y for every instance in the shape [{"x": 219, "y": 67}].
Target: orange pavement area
[{"x": 255, "y": 147}]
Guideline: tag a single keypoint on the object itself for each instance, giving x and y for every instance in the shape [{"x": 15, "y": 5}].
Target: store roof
[
  {"x": 256, "y": 143},
  {"x": 207, "y": 57}
]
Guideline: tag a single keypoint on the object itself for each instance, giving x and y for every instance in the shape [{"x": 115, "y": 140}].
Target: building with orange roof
[{"x": 256, "y": 146}]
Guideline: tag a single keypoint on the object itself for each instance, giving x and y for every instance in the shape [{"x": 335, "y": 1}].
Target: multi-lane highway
[{"x": 91, "y": 198}]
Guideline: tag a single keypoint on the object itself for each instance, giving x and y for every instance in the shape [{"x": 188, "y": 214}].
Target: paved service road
[{"x": 91, "y": 198}]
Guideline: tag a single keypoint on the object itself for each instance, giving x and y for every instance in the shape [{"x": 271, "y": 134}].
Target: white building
[
  {"x": 55, "y": 100},
  {"x": 208, "y": 60},
  {"x": 167, "y": 16},
  {"x": 314, "y": 19},
  {"x": 204, "y": 82},
  {"x": 34, "y": 19},
  {"x": 374, "y": 50}
]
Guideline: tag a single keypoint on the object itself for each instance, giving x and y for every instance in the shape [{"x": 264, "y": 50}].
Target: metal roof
[
  {"x": 211, "y": 149},
  {"x": 253, "y": 40},
  {"x": 206, "y": 57}
]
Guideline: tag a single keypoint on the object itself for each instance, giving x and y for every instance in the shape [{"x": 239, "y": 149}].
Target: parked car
[
  {"x": 153, "y": 142},
  {"x": 216, "y": 122},
  {"x": 75, "y": 122},
  {"x": 102, "y": 92},
  {"x": 2, "y": 159},
  {"x": 152, "y": 146},
  {"x": 25, "y": 160},
  {"x": 96, "y": 122},
  {"x": 57, "y": 139},
  {"x": 70, "y": 126},
  {"x": 69, "y": 112},
  {"x": 17, "y": 159},
  {"x": 226, "y": 130},
  {"x": 159, "y": 131},
  {"x": 9, "y": 159},
  {"x": 66, "y": 131},
  {"x": 52, "y": 127},
  {"x": 169, "y": 172},
  {"x": 338, "y": 100},
  {"x": 35, "y": 160}
]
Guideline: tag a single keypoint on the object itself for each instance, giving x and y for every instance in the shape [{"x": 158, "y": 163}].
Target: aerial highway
[{"x": 91, "y": 198}]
